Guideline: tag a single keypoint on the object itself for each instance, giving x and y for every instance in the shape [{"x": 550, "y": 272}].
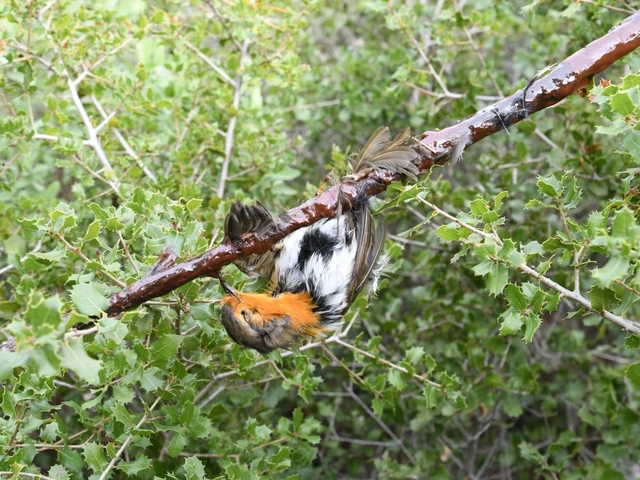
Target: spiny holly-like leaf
[
  {"x": 497, "y": 278},
  {"x": 10, "y": 360},
  {"x": 75, "y": 358},
  {"x": 622, "y": 104},
  {"x": 550, "y": 186},
  {"x": 166, "y": 347},
  {"x": 395, "y": 379},
  {"x": 414, "y": 354},
  {"x": 512, "y": 322},
  {"x": 532, "y": 323},
  {"x": 194, "y": 468},
  {"x": 615, "y": 269},
  {"x": 95, "y": 457},
  {"x": 633, "y": 373},
  {"x": 88, "y": 299},
  {"x": 136, "y": 466},
  {"x": 515, "y": 297}
]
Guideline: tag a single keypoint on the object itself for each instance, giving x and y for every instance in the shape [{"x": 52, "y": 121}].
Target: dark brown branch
[{"x": 567, "y": 78}]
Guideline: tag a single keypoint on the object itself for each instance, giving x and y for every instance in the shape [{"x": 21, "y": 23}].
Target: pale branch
[
  {"x": 92, "y": 173},
  {"x": 80, "y": 333},
  {"x": 121, "y": 139},
  {"x": 91, "y": 132},
  {"x": 211, "y": 63},
  {"x": 229, "y": 138},
  {"x": 574, "y": 295},
  {"x": 126, "y": 443},
  {"x": 380, "y": 423},
  {"x": 567, "y": 78}
]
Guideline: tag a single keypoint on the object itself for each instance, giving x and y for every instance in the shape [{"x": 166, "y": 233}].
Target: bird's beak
[{"x": 229, "y": 290}]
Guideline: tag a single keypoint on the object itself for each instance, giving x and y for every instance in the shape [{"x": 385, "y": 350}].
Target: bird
[{"x": 315, "y": 272}]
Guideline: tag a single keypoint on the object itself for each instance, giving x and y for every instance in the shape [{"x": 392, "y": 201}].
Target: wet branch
[{"x": 570, "y": 76}]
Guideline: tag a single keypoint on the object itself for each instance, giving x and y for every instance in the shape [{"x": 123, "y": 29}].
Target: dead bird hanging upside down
[{"x": 317, "y": 271}]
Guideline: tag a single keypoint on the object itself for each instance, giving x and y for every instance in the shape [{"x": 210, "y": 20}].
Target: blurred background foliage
[{"x": 118, "y": 121}]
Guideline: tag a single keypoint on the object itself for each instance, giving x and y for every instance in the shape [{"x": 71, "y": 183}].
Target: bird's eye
[{"x": 245, "y": 315}]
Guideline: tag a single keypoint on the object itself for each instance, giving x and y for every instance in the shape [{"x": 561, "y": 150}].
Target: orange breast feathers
[{"x": 258, "y": 309}]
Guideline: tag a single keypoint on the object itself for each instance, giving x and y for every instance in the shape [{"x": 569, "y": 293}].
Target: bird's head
[{"x": 264, "y": 322}]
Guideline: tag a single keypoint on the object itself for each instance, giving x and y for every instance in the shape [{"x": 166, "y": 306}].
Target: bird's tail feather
[
  {"x": 254, "y": 219},
  {"x": 243, "y": 219},
  {"x": 381, "y": 151}
]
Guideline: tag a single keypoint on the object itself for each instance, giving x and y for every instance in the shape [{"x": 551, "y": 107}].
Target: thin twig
[
  {"x": 629, "y": 325},
  {"x": 126, "y": 443},
  {"x": 122, "y": 140},
  {"x": 209, "y": 62},
  {"x": 387, "y": 363},
  {"x": 87, "y": 260},
  {"x": 609, "y": 7},
  {"x": 126, "y": 252},
  {"x": 81, "y": 333},
  {"x": 228, "y": 141},
  {"x": 382, "y": 425},
  {"x": 91, "y": 131}
]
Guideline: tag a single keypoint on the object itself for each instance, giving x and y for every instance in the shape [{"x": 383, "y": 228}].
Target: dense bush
[{"x": 491, "y": 350}]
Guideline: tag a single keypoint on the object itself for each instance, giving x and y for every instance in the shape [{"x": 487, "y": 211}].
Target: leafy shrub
[{"x": 494, "y": 348}]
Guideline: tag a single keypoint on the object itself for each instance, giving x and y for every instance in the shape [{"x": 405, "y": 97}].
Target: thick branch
[{"x": 567, "y": 78}]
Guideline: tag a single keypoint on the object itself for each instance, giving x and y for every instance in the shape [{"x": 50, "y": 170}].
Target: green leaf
[
  {"x": 497, "y": 278},
  {"x": 532, "y": 323},
  {"x": 596, "y": 222},
  {"x": 630, "y": 81},
  {"x": 615, "y": 269},
  {"x": 624, "y": 224},
  {"x": 509, "y": 253},
  {"x": 478, "y": 207},
  {"x": 632, "y": 372},
  {"x": 498, "y": 199},
  {"x": 414, "y": 354},
  {"x": 632, "y": 341},
  {"x": 600, "y": 298},
  {"x": 533, "y": 248},
  {"x": 94, "y": 456},
  {"x": 431, "y": 395},
  {"x": 166, "y": 347},
  {"x": 158, "y": 16},
  {"x": 511, "y": 406},
  {"x": 395, "y": 379},
  {"x": 194, "y": 468},
  {"x": 550, "y": 186},
  {"x": 88, "y": 299},
  {"x": 136, "y": 466},
  {"x": 377, "y": 406},
  {"x": 298, "y": 416},
  {"x": 92, "y": 232},
  {"x": 512, "y": 322},
  {"x": 449, "y": 232},
  {"x": 75, "y": 358},
  {"x": 622, "y": 104},
  {"x": 58, "y": 472},
  {"x": 515, "y": 298},
  {"x": 15, "y": 245},
  {"x": 553, "y": 300},
  {"x": 193, "y": 204},
  {"x": 54, "y": 255},
  {"x": 122, "y": 415},
  {"x": 10, "y": 360},
  {"x": 483, "y": 268}
]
